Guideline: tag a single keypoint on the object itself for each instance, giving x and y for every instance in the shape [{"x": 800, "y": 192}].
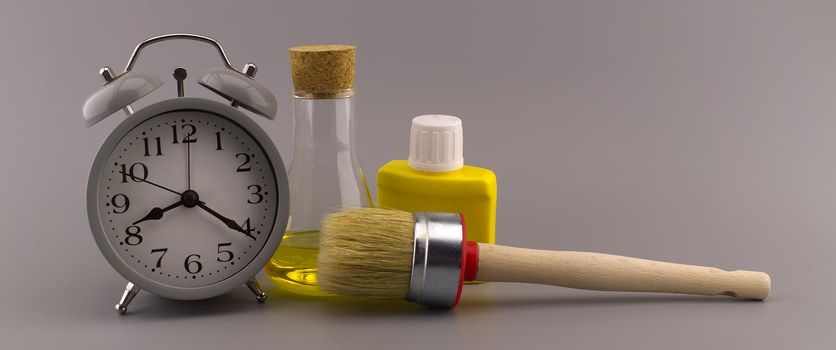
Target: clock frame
[
  {"x": 238, "y": 87},
  {"x": 100, "y": 164}
]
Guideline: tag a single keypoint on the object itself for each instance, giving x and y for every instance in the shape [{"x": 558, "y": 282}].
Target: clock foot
[
  {"x": 130, "y": 292},
  {"x": 256, "y": 289}
]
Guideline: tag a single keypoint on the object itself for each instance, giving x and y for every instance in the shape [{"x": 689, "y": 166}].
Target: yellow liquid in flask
[{"x": 293, "y": 266}]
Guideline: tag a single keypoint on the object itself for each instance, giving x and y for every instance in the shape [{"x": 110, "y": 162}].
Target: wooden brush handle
[{"x": 597, "y": 271}]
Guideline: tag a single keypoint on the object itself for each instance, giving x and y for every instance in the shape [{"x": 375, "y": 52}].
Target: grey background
[{"x": 698, "y": 132}]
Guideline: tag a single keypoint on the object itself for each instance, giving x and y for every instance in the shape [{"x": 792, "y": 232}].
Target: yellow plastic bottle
[{"x": 436, "y": 179}]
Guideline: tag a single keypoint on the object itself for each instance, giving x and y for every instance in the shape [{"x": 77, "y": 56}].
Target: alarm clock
[{"x": 187, "y": 197}]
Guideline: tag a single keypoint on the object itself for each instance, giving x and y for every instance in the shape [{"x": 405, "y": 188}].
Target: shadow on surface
[
  {"x": 353, "y": 307},
  {"x": 596, "y": 300},
  {"x": 357, "y": 307},
  {"x": 159, "y": 308}
]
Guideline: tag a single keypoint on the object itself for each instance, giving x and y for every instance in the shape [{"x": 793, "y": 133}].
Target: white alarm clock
[{"x": 187, "y": 197}]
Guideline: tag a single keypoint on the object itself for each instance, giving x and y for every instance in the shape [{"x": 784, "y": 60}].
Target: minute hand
[{"x": 228, "y": 222}]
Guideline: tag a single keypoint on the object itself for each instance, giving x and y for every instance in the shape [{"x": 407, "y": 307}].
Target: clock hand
[
  {"x": 156, "y": 213},
  {"x": 150, "y": 183},
  {"x": 189, "y": 165},
  {"x": 229, "y": 223}
]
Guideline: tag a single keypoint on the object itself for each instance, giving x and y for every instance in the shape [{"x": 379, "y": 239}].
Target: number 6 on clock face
[{"x": 186, "y": 198}]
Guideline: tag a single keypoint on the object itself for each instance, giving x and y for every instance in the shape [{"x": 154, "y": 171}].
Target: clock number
[
  {"x": 257, "y": 193},
  {"x": 125, "y": 203},
  {"x": 192, "y": 131},
  {"x": 148, "y": 147},
  {"x": 248, "y": 229},
  {"x": 218, "y": 141},
  {"x": 193, "y": 266},
  {"x": 131, "y": 172},
  {"x": 245, "y": 166},
  {"x": 133, "y": 237},
  {"x": 160, "y": 259},
  {"x": 227, "y": 252},
  {"x": 188, "y": 139}
]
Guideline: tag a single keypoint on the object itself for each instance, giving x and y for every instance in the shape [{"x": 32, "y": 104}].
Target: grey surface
[{"x": 698, "y": 132}]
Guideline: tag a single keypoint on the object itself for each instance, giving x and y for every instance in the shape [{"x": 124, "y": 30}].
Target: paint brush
[{"x": 425, "y": 257}]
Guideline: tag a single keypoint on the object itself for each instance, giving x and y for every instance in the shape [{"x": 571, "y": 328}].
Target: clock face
[{"x": 186, "y": 199}]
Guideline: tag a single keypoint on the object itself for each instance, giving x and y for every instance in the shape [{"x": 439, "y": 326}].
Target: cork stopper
[{"x": 322, "y": 71}]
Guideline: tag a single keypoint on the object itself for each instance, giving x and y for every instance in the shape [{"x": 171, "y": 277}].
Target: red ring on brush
[{"x": 470, "y": 261}]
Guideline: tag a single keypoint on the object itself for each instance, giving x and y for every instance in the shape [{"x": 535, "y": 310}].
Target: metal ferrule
[{"x": 436, "y": 259}]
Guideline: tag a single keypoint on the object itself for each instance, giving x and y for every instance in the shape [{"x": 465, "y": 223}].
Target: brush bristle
[{"x": 366, "y": 253}]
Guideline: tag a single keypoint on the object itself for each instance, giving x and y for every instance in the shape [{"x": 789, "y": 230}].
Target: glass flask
[{"x": 325, "y": 176}]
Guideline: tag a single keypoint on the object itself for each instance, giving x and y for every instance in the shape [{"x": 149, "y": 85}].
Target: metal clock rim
[{"x": 225, "y": 285}]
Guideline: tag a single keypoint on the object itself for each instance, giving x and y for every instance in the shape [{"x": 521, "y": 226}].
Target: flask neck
[
  {"x": 323, "y": 126},
  {"x": 325, "y": 174}
]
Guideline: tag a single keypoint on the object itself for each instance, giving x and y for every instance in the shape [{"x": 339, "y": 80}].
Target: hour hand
[{"x": 156, "y": 213}]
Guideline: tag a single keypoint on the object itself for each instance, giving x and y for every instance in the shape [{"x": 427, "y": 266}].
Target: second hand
[{"x": 188, "y": 165}]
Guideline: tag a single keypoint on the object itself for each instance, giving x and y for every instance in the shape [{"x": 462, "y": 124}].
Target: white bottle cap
[{"x": 435, "y": 143}]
